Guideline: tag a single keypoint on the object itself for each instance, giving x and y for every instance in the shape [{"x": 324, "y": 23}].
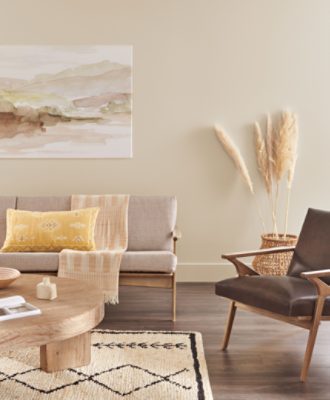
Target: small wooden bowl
[{"x": 7, "y": 276}]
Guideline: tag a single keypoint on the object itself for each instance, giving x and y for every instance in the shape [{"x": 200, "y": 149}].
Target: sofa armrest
[{"x": 176, "y": 234}]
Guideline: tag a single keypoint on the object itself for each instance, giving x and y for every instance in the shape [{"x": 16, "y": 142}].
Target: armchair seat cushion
[
  {"x": 148, "y": 261},
  {"x": 286, "y": 295}
]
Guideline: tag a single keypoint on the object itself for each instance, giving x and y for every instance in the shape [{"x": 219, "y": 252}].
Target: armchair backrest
[{"x": 312, "y": 251}]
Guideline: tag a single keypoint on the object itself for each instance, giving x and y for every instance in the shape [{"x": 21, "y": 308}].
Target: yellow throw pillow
[{"x": 53, "y": 231}]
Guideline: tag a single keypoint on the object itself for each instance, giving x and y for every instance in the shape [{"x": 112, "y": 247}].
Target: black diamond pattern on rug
[{"x": 144, "y": 378}]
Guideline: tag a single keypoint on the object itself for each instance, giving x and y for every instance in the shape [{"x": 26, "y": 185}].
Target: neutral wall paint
[{"x": 195, "y": 62}]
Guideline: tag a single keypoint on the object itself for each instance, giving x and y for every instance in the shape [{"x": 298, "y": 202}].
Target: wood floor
[{"x": 264, "y": 356}]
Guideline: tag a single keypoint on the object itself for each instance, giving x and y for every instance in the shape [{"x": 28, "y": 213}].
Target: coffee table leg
[{"x": 70, "y": 353}]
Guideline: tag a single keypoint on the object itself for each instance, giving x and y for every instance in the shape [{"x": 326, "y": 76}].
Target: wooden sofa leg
[
  {"x": 312, "y": 338},
  {"x": 173, "y": 297},
  {"x": 231, "y": 316}
]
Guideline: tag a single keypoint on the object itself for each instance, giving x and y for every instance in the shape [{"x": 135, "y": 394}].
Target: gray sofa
[{"x": 150, "y": 258}]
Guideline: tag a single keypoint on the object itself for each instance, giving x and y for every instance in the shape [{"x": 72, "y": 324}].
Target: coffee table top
[{"x": 78, "y": 308}]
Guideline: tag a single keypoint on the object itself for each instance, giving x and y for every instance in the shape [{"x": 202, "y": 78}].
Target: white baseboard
[{"x": 204, "y": 272}]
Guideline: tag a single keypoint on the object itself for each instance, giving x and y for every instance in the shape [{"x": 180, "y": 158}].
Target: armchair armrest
[
  {"x": 250, "y": 253},
  {"x": 243, "y": 269},
  {"x": 176, "y": 234},
  {"x": 322, "y": 288},
  {"x": 316, "y": 274}
]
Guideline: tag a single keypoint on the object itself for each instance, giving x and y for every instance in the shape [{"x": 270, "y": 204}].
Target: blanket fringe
[{"x": 110, "y": 298}]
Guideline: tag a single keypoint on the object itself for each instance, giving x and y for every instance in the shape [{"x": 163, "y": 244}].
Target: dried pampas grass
[
  {"x": 276, "y": 153},
  {"x": 291, "y": 164},
  {"x": 265, "y": 160},
  {"x": 270, "y": 144},
  {"x": 286, "y": 146},
  {"x": 234, "y": 153},
  {"x": 271, "y": 154},
  {"x": 293, "y": 150},
  {"x": 262, "y": 158},
  {"x": 285, "y": 156}
]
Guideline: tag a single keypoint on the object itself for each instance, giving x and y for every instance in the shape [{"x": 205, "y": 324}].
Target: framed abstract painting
[{"x": 65, "y": 101}]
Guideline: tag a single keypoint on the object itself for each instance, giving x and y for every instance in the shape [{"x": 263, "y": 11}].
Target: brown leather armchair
[{"x": 300, "y": 297}]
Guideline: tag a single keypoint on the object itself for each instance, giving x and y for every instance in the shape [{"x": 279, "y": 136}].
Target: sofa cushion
[
  {"x": 50, "y": 231},
  {"x": 5, "y": 202},
  {"x": 284, "y": 295},
  {"x": 132, "y": 261},
  {"x": 151, "y": 221},
  {"x": 148, "y": 261},
  {"x": 30, "y": 262}
]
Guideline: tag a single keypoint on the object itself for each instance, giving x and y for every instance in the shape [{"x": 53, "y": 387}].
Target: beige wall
[{"x": 195, "y": 62}]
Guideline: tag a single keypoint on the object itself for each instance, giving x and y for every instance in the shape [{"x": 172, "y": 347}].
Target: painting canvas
[{"x": 65, "y": 101}]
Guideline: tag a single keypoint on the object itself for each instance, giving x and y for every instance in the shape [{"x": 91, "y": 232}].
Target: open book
[{"x": 16, "y": 307}]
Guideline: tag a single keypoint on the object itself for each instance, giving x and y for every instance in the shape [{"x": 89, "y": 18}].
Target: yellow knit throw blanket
[{"x": 100, "y": 267}]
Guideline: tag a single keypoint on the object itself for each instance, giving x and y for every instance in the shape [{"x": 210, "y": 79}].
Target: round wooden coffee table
[{"x": 62, "y": 331}]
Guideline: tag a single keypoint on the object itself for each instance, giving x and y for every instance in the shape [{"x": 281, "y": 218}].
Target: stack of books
[{"x": 16, "y": 307}]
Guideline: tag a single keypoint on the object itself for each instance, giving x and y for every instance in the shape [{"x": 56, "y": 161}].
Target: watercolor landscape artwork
[{"x": 65, "y": 101}]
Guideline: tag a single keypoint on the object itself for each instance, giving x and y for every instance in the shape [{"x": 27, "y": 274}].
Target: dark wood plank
[{"x": 264, "y": 356}]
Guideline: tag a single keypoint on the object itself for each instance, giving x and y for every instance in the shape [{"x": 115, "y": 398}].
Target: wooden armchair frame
[
  {"x": 310, "y": 323},
  {"x": 155, "y": 279}
]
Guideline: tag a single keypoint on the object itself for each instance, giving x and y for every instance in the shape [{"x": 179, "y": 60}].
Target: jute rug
[{"x": 128, "y": 365}]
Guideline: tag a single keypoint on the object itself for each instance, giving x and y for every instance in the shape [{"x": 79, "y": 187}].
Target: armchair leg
[
  {"x": 231, "y": 316},
  {"x": 173, "y": 297},
  {"x": 312, "y": 338}
]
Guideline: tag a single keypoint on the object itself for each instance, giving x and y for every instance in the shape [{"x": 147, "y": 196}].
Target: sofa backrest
[
  {"x": 151, "y": 219},
  {"x": 44, "y": 203}
]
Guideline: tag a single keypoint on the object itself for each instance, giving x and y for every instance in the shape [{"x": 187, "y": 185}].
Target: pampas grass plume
[
  {"x": 294, "y": 145},
  {"x": 262, "y": 157},
  {"x": 270, "y": 143},
  {"x": 286, "y": 146},
  {"x": 234, "y": 153}
]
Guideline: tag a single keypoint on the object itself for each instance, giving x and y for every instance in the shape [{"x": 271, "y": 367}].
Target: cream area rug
[{"x": 141, "y": 365}]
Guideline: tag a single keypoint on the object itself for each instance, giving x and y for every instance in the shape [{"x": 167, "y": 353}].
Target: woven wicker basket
[{"x": 278, "y": 263}]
